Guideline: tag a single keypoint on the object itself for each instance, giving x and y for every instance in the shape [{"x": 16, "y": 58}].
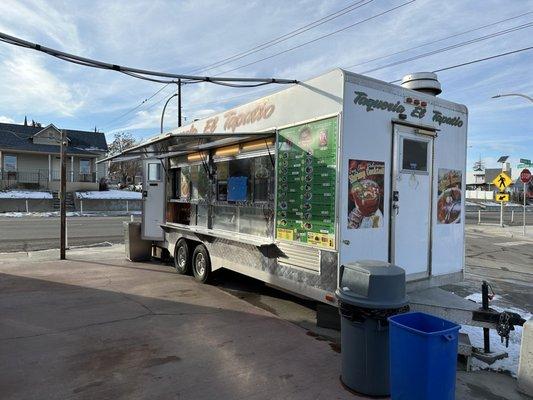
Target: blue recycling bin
[{"x": 423, "y": 357}]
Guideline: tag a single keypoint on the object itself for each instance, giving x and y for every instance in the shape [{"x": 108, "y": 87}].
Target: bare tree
[{"x": 123, "y": 171}]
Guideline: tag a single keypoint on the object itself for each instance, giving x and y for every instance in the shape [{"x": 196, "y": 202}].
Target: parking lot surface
[{"x": 99, "y": 327}]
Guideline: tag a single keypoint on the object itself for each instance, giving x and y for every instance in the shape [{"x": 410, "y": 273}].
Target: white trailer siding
[
  {"x": 305, "y": 101},
  {"x": 448, "y": 244},
  {"x": 368, "y": 134},
  {"x": 370, "y": 113}
]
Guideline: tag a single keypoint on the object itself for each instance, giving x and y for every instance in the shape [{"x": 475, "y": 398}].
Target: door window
[
  {"x": 154, "y": 171},
  {"x": 414, "y": 155}
]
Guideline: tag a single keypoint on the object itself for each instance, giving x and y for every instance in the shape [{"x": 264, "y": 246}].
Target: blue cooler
[{"x": 423, "y": 357}]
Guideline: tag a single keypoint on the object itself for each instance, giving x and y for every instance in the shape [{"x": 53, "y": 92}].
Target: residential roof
[{"x": 19, "y": 137}]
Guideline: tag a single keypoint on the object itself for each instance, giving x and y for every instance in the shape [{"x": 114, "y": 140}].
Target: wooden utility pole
[
  {"x": 179, "y": 102},
  {"x": 63, "y": 196}
]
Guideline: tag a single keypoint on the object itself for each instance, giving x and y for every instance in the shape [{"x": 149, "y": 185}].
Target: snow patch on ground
[
  {"x": 110, "y": 195},
  {"x": 24, "y": 194},
  {"x": 509, "y": 364}
]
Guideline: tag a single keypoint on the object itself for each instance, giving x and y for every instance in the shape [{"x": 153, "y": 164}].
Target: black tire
[
  {"x": 201, "y": 264},
  {"x": 182, "y": 259}
]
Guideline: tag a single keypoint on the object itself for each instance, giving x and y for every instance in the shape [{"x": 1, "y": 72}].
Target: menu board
[{"x": 306, "y": 170}]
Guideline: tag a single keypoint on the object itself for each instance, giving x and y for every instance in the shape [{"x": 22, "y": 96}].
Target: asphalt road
[{"x": 36, "y": 233}]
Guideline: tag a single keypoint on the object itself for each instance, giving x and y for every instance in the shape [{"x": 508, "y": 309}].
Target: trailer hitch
[{"x": 505, "y": 321}]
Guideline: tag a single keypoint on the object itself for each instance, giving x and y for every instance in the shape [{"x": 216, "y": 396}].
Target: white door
[
  {"x": 153, "y": 200},
  {"x": 411, "y": 201}
]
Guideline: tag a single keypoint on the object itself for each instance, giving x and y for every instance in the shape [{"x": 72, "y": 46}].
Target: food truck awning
[{"x": 174, "y": 144}]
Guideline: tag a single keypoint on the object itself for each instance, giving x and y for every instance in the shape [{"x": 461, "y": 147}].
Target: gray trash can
[{"x": 369, "y": 293}]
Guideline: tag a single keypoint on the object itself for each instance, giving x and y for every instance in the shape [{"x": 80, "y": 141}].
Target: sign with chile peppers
[{"x": 306, "y": 170}]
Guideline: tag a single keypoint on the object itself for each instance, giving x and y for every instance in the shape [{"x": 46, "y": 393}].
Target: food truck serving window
[{"x": 415, "y": 155}]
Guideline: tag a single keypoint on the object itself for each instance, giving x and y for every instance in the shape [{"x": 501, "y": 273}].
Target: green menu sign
[{"x": 306, "y": 168}]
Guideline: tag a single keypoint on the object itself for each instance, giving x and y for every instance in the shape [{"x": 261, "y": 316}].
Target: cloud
[
  {"x": 6, "y": 120},
  {"x": 183, "y": 36},
  {"x": 30, "y": 87}
]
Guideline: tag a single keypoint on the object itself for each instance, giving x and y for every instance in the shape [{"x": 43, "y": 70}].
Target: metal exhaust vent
[{"x": 425, "y": 82}]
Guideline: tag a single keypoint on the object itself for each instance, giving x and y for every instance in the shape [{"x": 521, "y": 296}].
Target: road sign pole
[
  {"x": 501, "y": 214},
  {"x": 501, "y": 204},
  {"x": 524, "y": 213}
]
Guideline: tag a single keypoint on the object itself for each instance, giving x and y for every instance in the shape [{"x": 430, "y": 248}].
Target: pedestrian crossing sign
[
  {"x": 502, "y": 197},
  {"x": 502, "y": 181}
]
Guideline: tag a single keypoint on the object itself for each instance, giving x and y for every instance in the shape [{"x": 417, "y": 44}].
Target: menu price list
[{"x": 306, "y": 170}]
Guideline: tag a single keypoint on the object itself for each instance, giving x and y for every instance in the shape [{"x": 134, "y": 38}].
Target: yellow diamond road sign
[
  {"x": 502, "y": 181},
  {"x": 502, "y": 197}
]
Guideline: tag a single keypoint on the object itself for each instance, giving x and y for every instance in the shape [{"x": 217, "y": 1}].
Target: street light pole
[
  {"x": 514, "y": 94},
  {"x": 178, "y": 95}
]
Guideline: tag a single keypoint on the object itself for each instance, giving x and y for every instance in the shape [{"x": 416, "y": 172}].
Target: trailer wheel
[
  {"x": 182, "y": 259},
  {"x": 201, "y": 264}
]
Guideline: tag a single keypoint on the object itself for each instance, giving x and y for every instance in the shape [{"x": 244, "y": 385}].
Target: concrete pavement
[{"x": 99, "y": 327}]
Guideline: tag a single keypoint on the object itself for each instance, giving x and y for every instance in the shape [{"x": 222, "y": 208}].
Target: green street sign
[
  {"x": 525, "y": 161},
  {"x": 521, "y": 166}
]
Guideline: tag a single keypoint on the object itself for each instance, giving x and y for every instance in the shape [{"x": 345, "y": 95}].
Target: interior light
[
  {"x": 196, "y": 156},
  {"x": 257, "y": 144},
  {"x": 227, "y": 151}
]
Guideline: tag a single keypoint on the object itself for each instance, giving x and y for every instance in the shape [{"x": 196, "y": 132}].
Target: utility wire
[
  {"x": 135, "y": 72},
  {"x": 438, "y": 40},
  {"x": 451, "y": 47},
  {"x": 477, "y": 61},
  {"x": 397, "y": 80},
  {"x": 343, "y": 11},
  {"x": 484, "y": 59},
  {"x": 135, "y": 108},
  {"x": 320, "y": 37},
  {"x": 353, "y": 6}
]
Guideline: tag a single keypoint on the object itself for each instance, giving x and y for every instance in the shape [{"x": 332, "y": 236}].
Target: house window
[
  {"x": 10, "y": 163},
  {"x": 85, "y": 167}
]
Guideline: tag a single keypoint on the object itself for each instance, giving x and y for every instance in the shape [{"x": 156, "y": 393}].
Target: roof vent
[{"x": 425, "y": 82}]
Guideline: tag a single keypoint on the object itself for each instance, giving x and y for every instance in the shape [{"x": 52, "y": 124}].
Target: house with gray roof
[{"x": 29, "y": 157}]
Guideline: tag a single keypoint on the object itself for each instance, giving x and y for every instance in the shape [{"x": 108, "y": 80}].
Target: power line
[
  {"x": 451, "y": 47},
  {"x": 262, "y": 46},
  {"x": 319, "y": 37},
  {"x": 343, "y": 11},
  {"x": 136, "y": 72},
  {"x": 399, "y": 80},
  {"x": 438, "y": 40},
  {"x": 476, "y": 61},
  {"x": 136, "y": 107},
  {"x": 484, "y": 59}
]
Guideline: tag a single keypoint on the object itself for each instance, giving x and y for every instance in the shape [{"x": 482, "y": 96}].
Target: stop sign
[{"x": 525, "y": 175}]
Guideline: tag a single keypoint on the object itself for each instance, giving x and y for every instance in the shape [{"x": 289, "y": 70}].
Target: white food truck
[{"x": 289, "y": 187}]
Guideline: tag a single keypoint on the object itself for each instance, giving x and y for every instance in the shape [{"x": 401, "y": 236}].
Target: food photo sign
[
  {"x": 365, "y": 194},
  {"x": 449, "y": 196}
]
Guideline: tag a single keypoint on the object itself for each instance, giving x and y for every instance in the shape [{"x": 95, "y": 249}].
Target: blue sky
[{"x": 183, "y": 36}]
